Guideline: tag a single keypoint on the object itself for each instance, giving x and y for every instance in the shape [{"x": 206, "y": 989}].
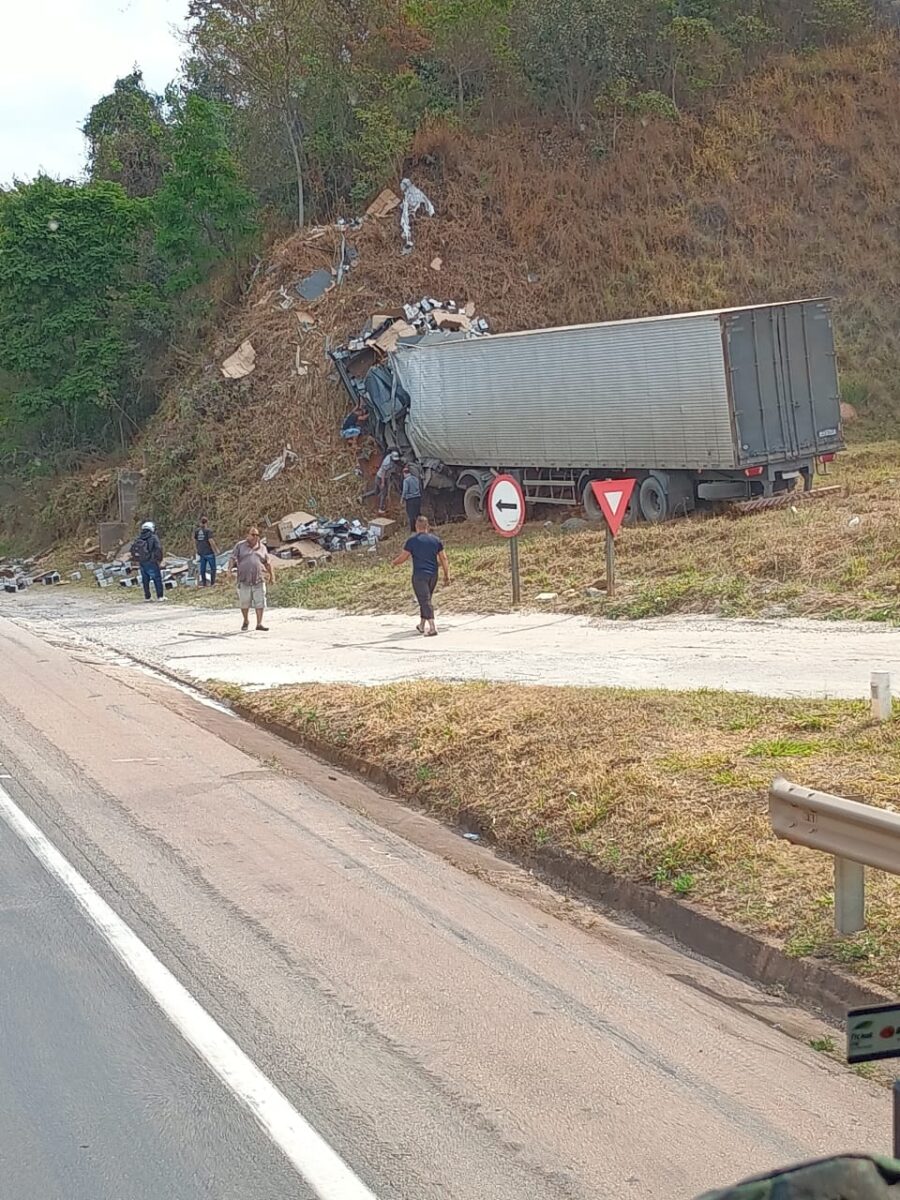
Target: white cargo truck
[{"x": 699, "y": 407}]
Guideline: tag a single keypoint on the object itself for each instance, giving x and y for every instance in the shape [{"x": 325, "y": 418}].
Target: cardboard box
[
  {"x": 383, "y": 526},
  {"x": 288, "y": 524}
]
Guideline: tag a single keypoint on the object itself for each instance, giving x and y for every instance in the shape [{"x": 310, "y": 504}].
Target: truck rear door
[{"x": 783, "y": 379}]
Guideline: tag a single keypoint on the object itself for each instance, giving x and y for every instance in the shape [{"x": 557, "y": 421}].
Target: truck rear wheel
[
  {"x": 653, "y": 500},
  {"x": 473, "y": 503},
  {"x": 592, "y": 510}
]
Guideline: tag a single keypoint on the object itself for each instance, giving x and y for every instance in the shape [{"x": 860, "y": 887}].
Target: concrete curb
[{"x": 754, "y": 957}]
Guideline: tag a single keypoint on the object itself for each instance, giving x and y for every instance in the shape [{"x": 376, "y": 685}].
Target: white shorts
[{"x": 252, "y": 595}]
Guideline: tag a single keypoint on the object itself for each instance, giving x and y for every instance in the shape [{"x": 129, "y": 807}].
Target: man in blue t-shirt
[{"x": 427, "y": 553}]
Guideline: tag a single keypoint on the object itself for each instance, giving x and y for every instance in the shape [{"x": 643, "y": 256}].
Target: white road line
[{"x": 312, "y": 1157}]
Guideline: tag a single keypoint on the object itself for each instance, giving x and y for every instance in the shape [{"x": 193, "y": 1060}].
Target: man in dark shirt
[
  {"x": 206, "y": 551},
  {"x": 412, "y": 497},
  {"x": 427, "y": 553},
  {"x": 147, "y": 552}
]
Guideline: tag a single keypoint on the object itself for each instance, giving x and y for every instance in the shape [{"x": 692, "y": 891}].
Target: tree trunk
[{"x": 298, "y": 167}]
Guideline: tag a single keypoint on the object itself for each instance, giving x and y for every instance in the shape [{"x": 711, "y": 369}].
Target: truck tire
[
  {"x": 653, "y": 500},
  {"x": 589, "y": 503},
  {"x": 473, "y": 503}
]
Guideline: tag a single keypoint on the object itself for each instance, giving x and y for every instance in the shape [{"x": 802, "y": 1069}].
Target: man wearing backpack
[{"x": 147, "y": 552}]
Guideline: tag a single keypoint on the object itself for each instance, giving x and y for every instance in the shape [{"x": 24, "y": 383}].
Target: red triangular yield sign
[{"x": 613, "y": 495}]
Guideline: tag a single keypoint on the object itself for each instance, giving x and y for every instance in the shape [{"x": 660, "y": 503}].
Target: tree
[
  {"x": 127, "y": 137},
  {"x": 203, "y": 210},
  {"x": 71, "y": 306},
  {"x": 262, "y": 51},
  {"x": 468, "y": 39},
  {"x": 569, "y": 50}
]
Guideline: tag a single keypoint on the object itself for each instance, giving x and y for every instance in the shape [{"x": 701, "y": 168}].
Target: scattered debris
[
  {"x": 314, "y": 286},
  {"x": 854, "y": 523},
  {"x": 383, "y": 204},
  {"x": 382, "y": 526},
  {"x": 364, "y": 364},
  {"x": 17, "y": 574},
  {"x": 436, "y": 263},
  {"x": 472, "y": 837},
  {"x": 593, "y": 592},
  {"x": 305, "y": 320},
  {"x": 241, "y": 363},
  {"x": 293, "y": 524},
  {"x": 413, "y": 199},
  {"x": 286, "y": 458},
  {"x": 300, "y": 536},
  {"x": 546, "y": 597}
]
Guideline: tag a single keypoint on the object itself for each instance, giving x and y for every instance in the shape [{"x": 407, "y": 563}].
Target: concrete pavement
[
  {"x": 447, "y": 1037},
  {"x": 778, "y": 658}
]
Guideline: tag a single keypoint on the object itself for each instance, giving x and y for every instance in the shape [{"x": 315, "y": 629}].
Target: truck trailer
[{"x": 700, "y": 407}]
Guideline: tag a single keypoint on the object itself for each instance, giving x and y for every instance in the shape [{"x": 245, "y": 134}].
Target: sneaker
[
  {"x": 245, "y": 627},
  {"x": 262, "y": 629},
  {"x": 148, "y": 599},
  {"x": 163, "y": 597}
]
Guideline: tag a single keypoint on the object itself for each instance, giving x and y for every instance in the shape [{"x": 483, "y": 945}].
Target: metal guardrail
[{"x": 856, "y": 835}]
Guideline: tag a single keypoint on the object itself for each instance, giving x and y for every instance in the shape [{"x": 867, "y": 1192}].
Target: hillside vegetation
[
  {"x": 691, "y": 168},
  {"x": 790, "y": 187}
]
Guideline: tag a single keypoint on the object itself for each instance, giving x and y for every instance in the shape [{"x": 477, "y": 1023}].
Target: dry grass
[
  {"x": 787, "y": 188},
  {"x": 664, "y": 788},
  {"x": 815, "y": 561}
]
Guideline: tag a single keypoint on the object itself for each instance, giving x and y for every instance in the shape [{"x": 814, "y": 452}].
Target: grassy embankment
[
  {"x": 664, "y": 788},
  {"x": 837, "y": 558},
  {"x": 787, "y": 187}
]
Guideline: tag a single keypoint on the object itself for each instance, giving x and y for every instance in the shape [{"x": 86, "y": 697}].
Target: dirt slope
[{"x": 789, "y": 187}]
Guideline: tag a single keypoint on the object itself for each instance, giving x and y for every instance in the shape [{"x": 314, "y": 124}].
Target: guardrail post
[
  {"x": 849, "y": 896},
  {"x": 881, "y": 696}
]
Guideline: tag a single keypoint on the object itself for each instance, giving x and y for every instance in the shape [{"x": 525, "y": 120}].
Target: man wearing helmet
[{"x": 147, "y": 552}]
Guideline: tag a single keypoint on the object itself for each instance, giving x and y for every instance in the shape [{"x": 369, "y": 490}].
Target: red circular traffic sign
[{"x": 506, "y": 505}]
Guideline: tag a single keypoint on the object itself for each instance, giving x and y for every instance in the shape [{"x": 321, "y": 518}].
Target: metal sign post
[
  {"x": 514, "y": 571},
  {"x": 506, "y": 509},
  {"x": 873, "y": 1034},
  {"x": 613, "y": 496},
  {"x": 610, "y": 563}
]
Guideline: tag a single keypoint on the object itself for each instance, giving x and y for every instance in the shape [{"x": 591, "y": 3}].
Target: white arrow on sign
[{"x": 506, "y": 505}]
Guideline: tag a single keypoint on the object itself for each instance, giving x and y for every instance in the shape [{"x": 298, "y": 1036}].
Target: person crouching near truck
[
  {"x": 412, "y": 497},
  {"x": 427, "y": 553}
]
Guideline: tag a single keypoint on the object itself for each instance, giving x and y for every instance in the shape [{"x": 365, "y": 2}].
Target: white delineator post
[{"x": 881, "y": 696}]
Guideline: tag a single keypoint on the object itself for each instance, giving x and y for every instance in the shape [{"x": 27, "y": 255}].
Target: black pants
[
  {"x": 413, "y": 508},
  {"x": 423, "y": 586}
]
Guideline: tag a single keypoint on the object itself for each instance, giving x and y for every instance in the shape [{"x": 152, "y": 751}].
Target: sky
[{"x": 57, "y": 57}]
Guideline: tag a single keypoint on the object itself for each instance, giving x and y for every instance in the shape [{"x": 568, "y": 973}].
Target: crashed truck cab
[{"x": 700, "y": 408}]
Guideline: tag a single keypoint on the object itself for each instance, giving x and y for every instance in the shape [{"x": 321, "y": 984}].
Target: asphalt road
[
  {"x": 97, "y": 1098},
  {"x": 443, "y": 1031}
]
